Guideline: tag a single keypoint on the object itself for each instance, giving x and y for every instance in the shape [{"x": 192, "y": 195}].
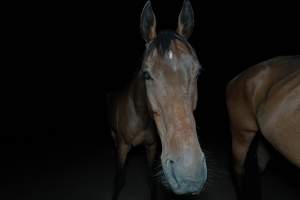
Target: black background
[
  {"x": 82, "y": 51},
  {"x": 73, "y": 54}
]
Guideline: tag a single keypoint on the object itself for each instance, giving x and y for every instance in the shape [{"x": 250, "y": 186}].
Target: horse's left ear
[
  {"x": 186, "y": 20},
  {"x": 148, "y": 23}
]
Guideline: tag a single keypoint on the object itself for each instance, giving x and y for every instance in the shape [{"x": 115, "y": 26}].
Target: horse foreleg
[
  {"x": 241, "y": 141},
  {"x": 263, "y": 156},
  {"x": 151, "y": 153},
  {"x": 122, "y": 151}
]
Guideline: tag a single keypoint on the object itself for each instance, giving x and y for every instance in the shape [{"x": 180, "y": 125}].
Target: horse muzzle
[{"x": 185, "y": 177}]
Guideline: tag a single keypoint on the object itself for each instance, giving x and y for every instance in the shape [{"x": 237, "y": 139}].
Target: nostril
[
  {"x": 170, "y": 162},
  {"x": 172, "y": 176}
]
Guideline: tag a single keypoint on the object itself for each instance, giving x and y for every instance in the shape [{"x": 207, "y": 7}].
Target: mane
[{"x": 163, "y": 42}]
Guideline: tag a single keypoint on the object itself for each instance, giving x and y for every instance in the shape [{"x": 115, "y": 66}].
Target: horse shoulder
[{"x": 130, "y": 124}]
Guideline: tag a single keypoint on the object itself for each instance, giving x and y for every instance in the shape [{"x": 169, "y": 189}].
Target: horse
[
  {"x": 265, "y": 99},
  {"x": 156, "y": 107}
]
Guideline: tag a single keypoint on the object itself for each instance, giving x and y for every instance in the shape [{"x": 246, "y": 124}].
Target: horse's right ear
[
  {"x": 148, "y": 23},
  {"x": 186, "y": 20}
]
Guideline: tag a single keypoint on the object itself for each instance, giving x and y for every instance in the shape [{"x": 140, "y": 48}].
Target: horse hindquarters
[{"x": 243, "y": 130}]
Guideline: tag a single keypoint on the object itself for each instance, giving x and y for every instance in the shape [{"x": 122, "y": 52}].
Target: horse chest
[{"x": 145, "y": 136}]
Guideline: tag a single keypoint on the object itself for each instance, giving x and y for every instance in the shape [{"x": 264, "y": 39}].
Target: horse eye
[{"x": 147, "y": 76}]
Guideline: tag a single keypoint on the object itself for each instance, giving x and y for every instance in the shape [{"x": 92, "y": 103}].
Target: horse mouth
[{"x": 171, "y": 182}]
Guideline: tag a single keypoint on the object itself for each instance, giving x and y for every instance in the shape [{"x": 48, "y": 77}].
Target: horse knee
[{"x": 122, "y": 151}]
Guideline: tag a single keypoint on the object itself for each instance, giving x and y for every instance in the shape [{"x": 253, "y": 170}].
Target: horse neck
[{"x": 137, "y": 92}]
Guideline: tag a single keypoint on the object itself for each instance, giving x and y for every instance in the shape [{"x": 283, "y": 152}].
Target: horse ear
[
  {"x": 148, "y": 23},
  {"x": 186, "y": 20}
]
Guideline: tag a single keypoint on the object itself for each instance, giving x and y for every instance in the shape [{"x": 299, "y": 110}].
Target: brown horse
[
  {"x": 158, "y": 104},
  {"x": 266, "y": 97}
]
